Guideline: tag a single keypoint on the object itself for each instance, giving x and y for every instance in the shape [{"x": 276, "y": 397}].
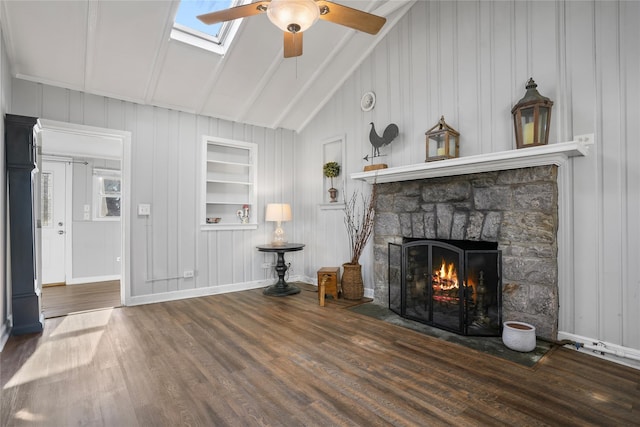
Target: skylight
[{"x": 188, "y": 29}]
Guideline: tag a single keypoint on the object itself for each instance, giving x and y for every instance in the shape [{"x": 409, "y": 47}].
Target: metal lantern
[
  {"x": 443, "y": 142},
  {"x": 532, "y": 118}
]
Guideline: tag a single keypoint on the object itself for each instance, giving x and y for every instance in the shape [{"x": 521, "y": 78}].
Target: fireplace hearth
[{"x": 452, "y": 285}]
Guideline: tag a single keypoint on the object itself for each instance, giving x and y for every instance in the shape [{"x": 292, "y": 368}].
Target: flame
[{"x": 446, "y": 277}]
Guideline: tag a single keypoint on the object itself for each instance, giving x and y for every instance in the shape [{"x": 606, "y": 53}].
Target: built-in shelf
[
  {"x": 229, "y": 182},
  {"x": 553, "y": 154}
]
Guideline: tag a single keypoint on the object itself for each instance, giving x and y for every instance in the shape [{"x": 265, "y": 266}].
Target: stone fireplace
[
  {"x": 515, "y": 208},
  {"x": 519, "y": 199}
]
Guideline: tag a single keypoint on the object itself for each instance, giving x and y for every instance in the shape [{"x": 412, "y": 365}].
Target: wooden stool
[{"x": 328, "y": 279}]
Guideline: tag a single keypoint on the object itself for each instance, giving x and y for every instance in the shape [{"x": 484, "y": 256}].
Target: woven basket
[{"x": 352, "y": 287}]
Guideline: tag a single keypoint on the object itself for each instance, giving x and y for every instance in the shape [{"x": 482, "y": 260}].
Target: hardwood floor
[
  {"x": 62, "y": 300},
  {"x": 245, "y": 359}
]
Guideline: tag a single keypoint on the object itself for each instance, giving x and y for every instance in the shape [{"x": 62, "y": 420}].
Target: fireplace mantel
[{"x": 553, "y": 154}]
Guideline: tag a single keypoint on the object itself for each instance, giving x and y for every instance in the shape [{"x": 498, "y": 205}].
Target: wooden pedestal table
[{"x": 281, "y": 288}]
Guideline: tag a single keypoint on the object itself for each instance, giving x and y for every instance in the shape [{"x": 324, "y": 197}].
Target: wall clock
[{"x": 368, "y": 101}]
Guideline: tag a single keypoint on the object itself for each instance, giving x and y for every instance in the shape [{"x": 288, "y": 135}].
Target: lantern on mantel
[
  {"x": 532, "y": 118},
  {"x": 442, "y": 142}
]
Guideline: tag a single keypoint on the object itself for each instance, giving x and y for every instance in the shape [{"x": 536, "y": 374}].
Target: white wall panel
[
  {"x": 608, "y": 86},
  {"x": 577, "y": 311},
  {"x": 630, "y": 70},
  {"x": 187, "y": 191},
  {"x": 470, "y": 60}
]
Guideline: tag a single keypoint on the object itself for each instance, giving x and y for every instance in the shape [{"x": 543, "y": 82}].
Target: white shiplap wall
[
  {"x": 469, "y": 60},
  {"x": 165, "y": 156}
]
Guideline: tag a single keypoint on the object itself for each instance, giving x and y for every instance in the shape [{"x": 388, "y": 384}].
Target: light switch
[
  {"x": 144, "y": 209},
  {"x": 87, "y": 208}
]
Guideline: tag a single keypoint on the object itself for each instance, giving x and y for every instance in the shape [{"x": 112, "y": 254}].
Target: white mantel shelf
[{"x": 553, "y": 154}]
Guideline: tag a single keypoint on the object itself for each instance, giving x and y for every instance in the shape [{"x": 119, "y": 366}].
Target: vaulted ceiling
[{"x": 123, "y": 49}]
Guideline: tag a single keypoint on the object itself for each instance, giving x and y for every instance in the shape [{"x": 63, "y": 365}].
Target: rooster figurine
[{"x": 389, "y": 134}]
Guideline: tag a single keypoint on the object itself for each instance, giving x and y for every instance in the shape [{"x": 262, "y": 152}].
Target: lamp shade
[
  {"x": 293, "y": 16},
  {"x": 278, "y": 212}
]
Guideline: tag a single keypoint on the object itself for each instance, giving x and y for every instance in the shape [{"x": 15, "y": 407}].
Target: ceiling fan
[{"x": 295, "y": 16}]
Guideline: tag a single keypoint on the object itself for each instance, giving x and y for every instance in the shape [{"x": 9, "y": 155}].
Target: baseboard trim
[
  {"x": 216, "y": 290},
  {"x": 615, "y": 353},
  {"x": 93, "y": 279},
  {"x": 197, "y": 292}
]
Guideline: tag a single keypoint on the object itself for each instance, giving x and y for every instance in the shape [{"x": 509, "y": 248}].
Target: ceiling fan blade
[
  {"x": 235, "y": 12},
  {"x": 352, "y": 18},
  {"x": 292, "y": 44}
]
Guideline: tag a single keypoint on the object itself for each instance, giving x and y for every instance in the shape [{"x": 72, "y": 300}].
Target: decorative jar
[{"x": 519, "y": 336}]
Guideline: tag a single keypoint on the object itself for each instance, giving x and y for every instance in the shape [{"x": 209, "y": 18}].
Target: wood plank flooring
[
  {"x": 244, "y": 359},
  {"x": 62, "y": 300}
]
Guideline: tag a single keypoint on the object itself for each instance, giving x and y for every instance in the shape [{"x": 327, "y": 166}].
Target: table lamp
[{"x": 278, "y": 212}]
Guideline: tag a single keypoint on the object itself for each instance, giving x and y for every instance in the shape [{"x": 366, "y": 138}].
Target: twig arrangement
[{"x": 359, "y": 222}]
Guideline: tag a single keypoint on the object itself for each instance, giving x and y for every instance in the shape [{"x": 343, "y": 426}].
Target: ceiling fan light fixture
[{"x": 293, "y": 16}]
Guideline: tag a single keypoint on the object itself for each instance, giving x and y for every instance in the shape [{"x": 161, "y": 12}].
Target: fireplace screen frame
[{"x": 478, "y": 308}]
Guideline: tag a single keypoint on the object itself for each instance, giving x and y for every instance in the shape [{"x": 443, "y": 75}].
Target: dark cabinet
[{"x": 21, "y": 176}]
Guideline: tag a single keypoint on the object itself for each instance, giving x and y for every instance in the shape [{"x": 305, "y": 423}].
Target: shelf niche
[{"x": 229, "y": 181}]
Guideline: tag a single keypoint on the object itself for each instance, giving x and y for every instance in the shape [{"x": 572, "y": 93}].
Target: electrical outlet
[
  {"x": 187, "y": 274},
  {"x": 144, "y": 209},
  {"x": 587, "y": 139},
  {"x": 266, "y": 265}
]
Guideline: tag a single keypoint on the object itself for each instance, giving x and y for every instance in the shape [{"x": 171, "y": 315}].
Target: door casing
[{"x": 68, "y": 139}]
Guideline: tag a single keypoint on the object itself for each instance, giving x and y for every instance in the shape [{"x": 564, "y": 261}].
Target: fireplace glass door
[{"x": 447, "y": 286}]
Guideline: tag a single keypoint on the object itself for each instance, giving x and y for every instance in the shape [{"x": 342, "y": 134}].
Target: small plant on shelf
[{"x": 331, "y": 170}]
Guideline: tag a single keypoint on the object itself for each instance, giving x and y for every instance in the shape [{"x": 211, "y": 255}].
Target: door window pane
[{"x": 46, "y": 203}]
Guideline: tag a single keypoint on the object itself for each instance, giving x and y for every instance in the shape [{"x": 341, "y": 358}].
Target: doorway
[
  {"x": 95, "y": 274},
  {"x": 79, "y": 209}
]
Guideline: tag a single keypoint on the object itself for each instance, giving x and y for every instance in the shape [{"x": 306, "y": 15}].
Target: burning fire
[
  {"x": 446, "y": 277},
  {"x": 445, "y": 283}
]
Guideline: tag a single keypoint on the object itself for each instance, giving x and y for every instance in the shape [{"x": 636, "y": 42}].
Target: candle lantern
[
  {"x": 443, "y": 142},
  {"x": 532, "y": 118}
]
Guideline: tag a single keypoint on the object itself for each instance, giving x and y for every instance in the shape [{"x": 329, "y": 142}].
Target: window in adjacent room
[{"x": 106, "y": 194}]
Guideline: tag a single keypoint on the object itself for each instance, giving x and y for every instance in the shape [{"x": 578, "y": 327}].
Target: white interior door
[{"x": 53, "y": 204}]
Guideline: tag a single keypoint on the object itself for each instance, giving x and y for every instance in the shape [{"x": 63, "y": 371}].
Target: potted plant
[
  {"x": 331, "y": 170},
  {"x": 359, "y": 217}
]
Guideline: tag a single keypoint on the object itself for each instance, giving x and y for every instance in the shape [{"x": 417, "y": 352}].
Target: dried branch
[{"x": 359, "y": 222}]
